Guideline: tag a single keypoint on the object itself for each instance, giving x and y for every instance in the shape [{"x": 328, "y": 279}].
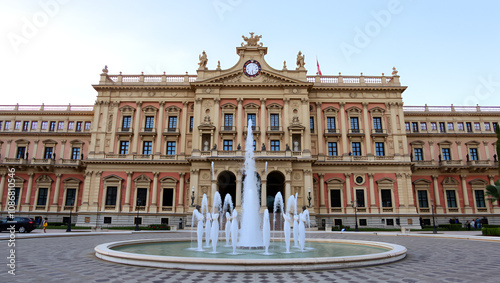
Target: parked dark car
[{"x": 22, "y": 224}]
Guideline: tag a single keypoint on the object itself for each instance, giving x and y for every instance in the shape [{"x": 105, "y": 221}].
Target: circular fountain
[{"x": 251, "y": 248}]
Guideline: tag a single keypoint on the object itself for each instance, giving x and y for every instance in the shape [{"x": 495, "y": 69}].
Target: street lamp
[
  {"x": 192, "y": 196},
  {"x": 69, "y": 221},
  {"x": 309, "y": 198},
  {"x": 139, "y": 203},
  {"x": 355, "y": 206},
  {"x": 434, "y": 230}
]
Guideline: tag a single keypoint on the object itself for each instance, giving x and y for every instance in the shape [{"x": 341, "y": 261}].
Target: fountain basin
[{"x": 384, "y": 253}]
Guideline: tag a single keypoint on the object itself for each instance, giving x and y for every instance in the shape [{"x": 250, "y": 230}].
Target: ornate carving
[
  {"x": 300, "y": 60},
  {"x": 252, "y": 40},
  {"x": 347, "y": 175},
  {"x": 203, "y": 61},
  {"x": 394, "y": 71},
  {"x": 105, "y": 70},
  {"x": 269, "y": 79}
]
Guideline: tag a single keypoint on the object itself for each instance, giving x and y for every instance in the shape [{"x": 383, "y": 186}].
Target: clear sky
[{"x": 446, "y": 52}]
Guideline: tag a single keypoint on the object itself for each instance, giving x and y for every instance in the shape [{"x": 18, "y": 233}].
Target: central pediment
[{"x": 264, "y": 78}]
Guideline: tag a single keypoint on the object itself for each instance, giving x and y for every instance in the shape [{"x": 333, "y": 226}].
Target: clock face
[{"x": 251, "y": 68}]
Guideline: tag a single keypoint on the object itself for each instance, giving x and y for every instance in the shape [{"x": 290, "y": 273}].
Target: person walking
[{"x": 45, "y": 223}]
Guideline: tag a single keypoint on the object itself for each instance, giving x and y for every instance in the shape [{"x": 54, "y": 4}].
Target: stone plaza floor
[{"x": 429, "y": 259}]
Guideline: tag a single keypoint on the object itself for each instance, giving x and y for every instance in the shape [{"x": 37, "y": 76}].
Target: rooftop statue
[
  {"x": 300, "y": 60},
  {"x": 203, "y": 60},
  {"x": 251, "y": 41}
]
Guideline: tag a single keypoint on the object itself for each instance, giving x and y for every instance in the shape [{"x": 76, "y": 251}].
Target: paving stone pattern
[{"x": 72, "y": 259}]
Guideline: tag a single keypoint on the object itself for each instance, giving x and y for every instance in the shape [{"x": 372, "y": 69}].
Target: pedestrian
[
  {"x": 45, "y": 224},
  {"x": 467, "y": 225},
  {"x": 473, "y": 224}
]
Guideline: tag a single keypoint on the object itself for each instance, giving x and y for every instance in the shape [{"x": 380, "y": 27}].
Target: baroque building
[{"x": 153, "y": 145}]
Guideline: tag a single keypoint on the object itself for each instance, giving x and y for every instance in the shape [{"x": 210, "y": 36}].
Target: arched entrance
[
  {"x": 275, "y": 183},
  {"x": 227, "y": 185},
  {"x": 258, "y": 182}
]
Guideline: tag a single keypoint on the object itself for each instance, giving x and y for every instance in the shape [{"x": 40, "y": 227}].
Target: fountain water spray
[
  {"x": 266, "y": 231},
  {"x": 250, "y": 221},
  {"x": 228, "y": 205}
]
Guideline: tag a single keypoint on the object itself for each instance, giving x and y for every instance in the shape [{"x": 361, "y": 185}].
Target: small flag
[{"x": 319, "y": 70}]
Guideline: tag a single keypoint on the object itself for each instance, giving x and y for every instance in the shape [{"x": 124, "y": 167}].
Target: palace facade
[{"x": 153, "y": 145}]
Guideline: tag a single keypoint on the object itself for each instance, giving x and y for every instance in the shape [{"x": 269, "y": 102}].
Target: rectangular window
[
  {"x": 356, "y": 148},
  {"x": 71, "y": 125},
  {"x": 469, "y": 126},
  {"x": 254, "y": 145},
  {"x": 26, "y": 126},
  {"x": 87, "y": 126},
  {"x": 450, "y": 126},
  {"x": 111, "y": 195},
  {"x": 330, "y": 124},
  {"x": 460, "y": 126},
  {"x": 47, "y": 154},
  {"x": 124, "y": 147},
  {"x": 311, "y": 124},
  {"x": 407, "y": 126},
  {"x": 1, "y": 124},
  {"x": 355, "y": 124},
  {"x": 191, "y": 121},
  {"x": 17, "y": 191},
  {"x": 42, "y": 196},
  {"x": 253, "y": 118},
  {"x": 52, "y": 126},
  {"x": 171, "y": 148},
  {"x": 75, "y": 153},
  {"x": 60, "y": 125},
  {"x": 414, "y": 127},
  {"x": 442, "y": 129},
  {"x": 228, "y": 145},
  {"x": 107, "y": 220},
  {"x": 332, "y": 149},
  {"x": 379, "y": 149},
  {"x": 360, "y": 198},
  {"x": 433, "y": 126},
  {"x": 335, "y": 199},
  {"x": 477, "y": 126},
  {"x": 418, "y": 154},
  {"x": 473, "y": 154},
  {"x": 228, "y": 122},
  {"x": 21, "y": 152},
  {"x": 142, "y": 194},
  {"x": 446, "y": 153},
  {"x": 377, "y": 123},
  {"x": 7, "y": 125},
  {"x": 147, "y": 147},
  {"x": 79, "y": 126},
  {"x": 275, "y": 122},
  {"x": 386, "y": 198},
  {"x": 70, "y": 197},
  {"x": 168, "y": 197},
  {"x": 275, "y": 145},
  {"x": 480, "y": 198},
  {"x": 494, "y": 124},
  {"x": 17, "y": 125},
  {"x": 450, "y": 197},
  {"x": 150, "y": 120},
  {"x": 487, "y": 126},
  {"x": 172, "y": 123},
  {"x": 126, "y": 123},
  {"x": 422, "y": 198},
  {"x": 423, "y": 126}
]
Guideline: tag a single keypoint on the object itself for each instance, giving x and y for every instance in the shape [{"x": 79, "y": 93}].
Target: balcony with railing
[
  {"x": 228, "y": 130},
  {"x": 255, "y": 130},
  {"x": 142, "y": 79},
  {"x": 356, "y": 132},
  {"x": 450, "y": 109},
  {"x": 47, "y": 108},
  {"x": 379, "y": 132},
  {"x": 274, "y": 130},
  {"x": 355, "y": 80},
  {"x": 332, "y": 133},
  {"x": 450, "y": 166},
  {"x": 171, "y": 132},
  {"x": 148, "y": 132}
]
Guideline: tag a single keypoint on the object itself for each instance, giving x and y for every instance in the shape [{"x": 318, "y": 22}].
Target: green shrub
[
  {"x": 451, "y": 227},
  {"x": 490, "y": 226},
  {"x": 491, "y": 231},
  {"x": 158, "y": 227}
]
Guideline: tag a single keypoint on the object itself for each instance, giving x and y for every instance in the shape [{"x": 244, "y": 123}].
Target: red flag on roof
[{"x": 319, "y": 70}]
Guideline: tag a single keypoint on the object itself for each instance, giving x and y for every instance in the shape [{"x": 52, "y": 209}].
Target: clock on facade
[{"x": 251, "y": 68}]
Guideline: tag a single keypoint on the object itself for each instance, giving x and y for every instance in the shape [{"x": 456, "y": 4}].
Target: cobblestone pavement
[{"x": 72, "y": 259}]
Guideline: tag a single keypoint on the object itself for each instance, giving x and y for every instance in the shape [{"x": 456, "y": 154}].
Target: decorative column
[
  {"x": 373, "y": 205},
  {"x": 159, "y": 137},
  {"x": 217, "y": 124},
  {"x": 308, "y": 187},
  {"x": 35, "y": 149},
  {"x": 195, "y": 173},
  {"x": 343, "y": 129},
  {"x": 185, "y": 127},
  {"x": 396, "y": 133},
  {"x": 431, "y": 146},
  {"x": 486, "y": 150},
  {"x": 319, "y": 131},
  {"x": 95, "y": 126},
  {"x": 86, "y": 191},
  {"x": 459, "y": 150},
  {"x": 55, "y": 200},
  {"x": 409, "y": 195},
  {"x": 368, "y": 136},
  {"x": 263, "y": 193},
  {"x": 262, "y": 122},
  {"x": 436, "y": 190},
  {"x": 137, "y": 128},
  {"x": 27, "y": 200},
  {"x": 112, "y": 144},
  {"x": 490, "y": 177},
  {"x": 348, "y": 189},
  {"x": 286, "y": 122},
  {"x": 2, "y": 186},
  {"x": 196, "y": 121},
  {"x": 214, "y": 183},
  {"x": 467, "y": 208},
  {"x": 105, "y": 129},
  {"x": 154, "y": 199},
  {"x": 239, "y": 121},
  {"x": 323, "y": 202},
  {"x": 288, "y": 181},
  {"x": 180, "y": 202},
  {"x": 306, "y": 149},
  {"x": 7, "y": 149},
  {"x": 239, "y": 177},
  {"x": 63, "y": 145},
  {"x": 126, "y": 206},
  {"x": 96, "y": 190}
]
